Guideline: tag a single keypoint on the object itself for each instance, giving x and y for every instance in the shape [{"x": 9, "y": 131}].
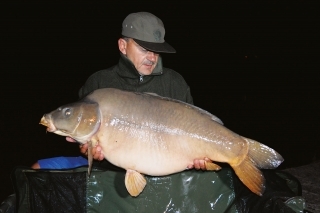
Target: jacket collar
[{"x": 127, "y": 69}]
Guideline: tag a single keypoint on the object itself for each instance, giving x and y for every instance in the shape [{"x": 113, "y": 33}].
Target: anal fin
[{"x": 135, "y": 182}]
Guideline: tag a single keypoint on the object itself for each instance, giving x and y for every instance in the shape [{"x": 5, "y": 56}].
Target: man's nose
[{"x": 152, "y": 56}]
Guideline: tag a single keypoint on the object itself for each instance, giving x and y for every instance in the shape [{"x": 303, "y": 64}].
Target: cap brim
[{"x": 156, "y": 47}]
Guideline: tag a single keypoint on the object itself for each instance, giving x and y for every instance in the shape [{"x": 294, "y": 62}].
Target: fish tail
[
  {"x": 263, "y": 156},
  {"x": 259, "y": 156},
  {"x": 250, "y": 175}
]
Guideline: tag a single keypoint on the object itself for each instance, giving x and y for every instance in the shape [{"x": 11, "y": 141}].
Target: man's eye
[{"x": 144, "y": 50}]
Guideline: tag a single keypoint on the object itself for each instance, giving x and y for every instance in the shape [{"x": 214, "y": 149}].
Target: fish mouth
[{"x": 47, "y": 123}]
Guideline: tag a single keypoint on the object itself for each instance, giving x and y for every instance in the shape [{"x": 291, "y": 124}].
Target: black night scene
[{"x": 255, "y": 66}]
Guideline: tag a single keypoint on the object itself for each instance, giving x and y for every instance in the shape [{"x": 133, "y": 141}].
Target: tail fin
[
  {"x": 263, "y": 156},
  {"x": 250, "y": 176},
  {"x": 259, "y": 156}
]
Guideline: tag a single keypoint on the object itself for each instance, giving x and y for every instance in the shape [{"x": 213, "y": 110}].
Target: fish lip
[
  {"x": 51, "y": 129},
  {"x": 47, "y": 122}
]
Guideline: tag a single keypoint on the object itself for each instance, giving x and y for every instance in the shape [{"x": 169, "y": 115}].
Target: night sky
[{"x": 255, "y": 66}]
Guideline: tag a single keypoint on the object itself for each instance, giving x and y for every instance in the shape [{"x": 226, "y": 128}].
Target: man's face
[{"x": 143, "y": 60}]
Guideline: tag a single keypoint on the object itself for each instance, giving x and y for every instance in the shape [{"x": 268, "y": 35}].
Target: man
[{"x": 139, "y": 69}]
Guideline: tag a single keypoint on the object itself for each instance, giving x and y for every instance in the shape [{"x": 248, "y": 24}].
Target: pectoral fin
[
  {"x": 212, "y": 166},
  {"x": 90, "y": 157},
  {"x": 135, "y": 182}
]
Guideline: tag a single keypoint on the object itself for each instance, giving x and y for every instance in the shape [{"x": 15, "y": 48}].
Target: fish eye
[{"x": 67, "y": 112}]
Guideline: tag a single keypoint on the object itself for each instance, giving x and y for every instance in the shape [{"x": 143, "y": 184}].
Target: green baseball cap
[{"x": 147, "y": 30}]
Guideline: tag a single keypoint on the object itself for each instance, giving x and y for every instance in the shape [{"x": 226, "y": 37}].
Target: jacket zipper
[{"x": 141, "y": 78}]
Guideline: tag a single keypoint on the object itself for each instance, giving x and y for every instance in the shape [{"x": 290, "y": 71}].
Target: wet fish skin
[{"x": 153, "y": 135}]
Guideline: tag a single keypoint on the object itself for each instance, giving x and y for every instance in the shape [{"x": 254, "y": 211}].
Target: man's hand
[
  {"x": 199, "y": 164},
  {"x": 96, "y": 151}
]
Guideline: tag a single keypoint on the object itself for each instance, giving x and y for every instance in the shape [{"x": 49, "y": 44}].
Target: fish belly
[
  {"x": 157, "y": 154},
  {"x": 151, "y": 158}
]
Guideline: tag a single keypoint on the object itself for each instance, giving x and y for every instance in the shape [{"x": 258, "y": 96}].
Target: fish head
[{"x": 78, "y": 120}]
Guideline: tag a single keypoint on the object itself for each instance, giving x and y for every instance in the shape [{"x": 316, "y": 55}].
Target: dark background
[{"x": 255, "y": 66}]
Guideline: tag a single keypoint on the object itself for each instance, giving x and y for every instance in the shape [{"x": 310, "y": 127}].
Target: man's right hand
[{"x": 96, "y": 151}]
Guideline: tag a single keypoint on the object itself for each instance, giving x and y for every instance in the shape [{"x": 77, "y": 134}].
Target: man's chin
[{"x": 146, "y": 71}]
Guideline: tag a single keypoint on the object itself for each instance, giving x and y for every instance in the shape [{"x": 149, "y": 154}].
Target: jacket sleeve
[{"x": 189, "y": 98}]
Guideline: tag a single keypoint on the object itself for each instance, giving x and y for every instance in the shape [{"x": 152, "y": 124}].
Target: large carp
[{"x": 149, "y": 134}]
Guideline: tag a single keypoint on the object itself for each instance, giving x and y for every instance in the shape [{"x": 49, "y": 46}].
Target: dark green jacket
[{"x": 162, "y": 81}]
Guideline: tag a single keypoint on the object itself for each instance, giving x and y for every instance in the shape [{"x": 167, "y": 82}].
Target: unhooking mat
[{"x": 193, "y": 191}]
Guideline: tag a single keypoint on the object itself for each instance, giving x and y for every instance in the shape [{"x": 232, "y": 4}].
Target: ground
[{"x": 309, "y": 176}]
